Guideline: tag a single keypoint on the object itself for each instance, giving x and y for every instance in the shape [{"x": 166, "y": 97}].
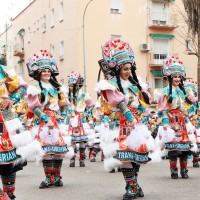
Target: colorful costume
[
  {"x": 12, "y": 90},
  {"x": 45, "y": 100},
  {"x": 123, "y": 102},
  {"x": 173, "y": 102},
  {"x": 193, "y": 117},
  {"x": 78, "y": 126}
]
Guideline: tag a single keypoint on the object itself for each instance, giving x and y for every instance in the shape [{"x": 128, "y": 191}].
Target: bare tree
[{"x": 192, "y": 8}]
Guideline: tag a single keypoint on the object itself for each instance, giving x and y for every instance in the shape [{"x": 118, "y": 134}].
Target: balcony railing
[
  {"x": 157, "y": 58},
  {"x": 162, "y": 20},
  {"x": 18, "y": 50}
]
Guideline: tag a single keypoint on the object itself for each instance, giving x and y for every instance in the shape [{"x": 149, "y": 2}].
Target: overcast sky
[{"x": 9, "y": 9}]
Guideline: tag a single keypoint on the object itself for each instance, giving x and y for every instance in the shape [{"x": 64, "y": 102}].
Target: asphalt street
[{"x": 93, "y": 183}]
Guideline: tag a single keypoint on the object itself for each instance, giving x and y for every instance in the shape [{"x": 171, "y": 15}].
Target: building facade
[{"x": 74, "y": 30}]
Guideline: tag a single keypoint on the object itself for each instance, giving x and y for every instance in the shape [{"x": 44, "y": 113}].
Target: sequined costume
[
  {"x": 78, "y": 129},
  {"x": 12, "y": 89},
  {"x": 45, "y": 100},
  {"x": 173, "y": 102},
  {"x": 124, "y": 101}
]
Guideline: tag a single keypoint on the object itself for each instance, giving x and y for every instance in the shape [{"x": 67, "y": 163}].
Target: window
[
  {"x": 61, "y": 11},
  {"x": 44, "y": 24},
  {"x": 29, "y": 35},
  {"x": 52, "y": 49},
  {"x": 116, "y": 6},
  {"x": 38, "y": 24},
  {"x": 160, "y": 50},
  {"x": 188, "y": 44},
  {"x": 34, "y": 27},
  {"x": 61, "y": 50},
  {"x": 158, "y": 83},
  {"x": 52, "y": 18},
  {"x": 116, "y": 36},
  {"x": 159, "y": 15},
  {"x": 20, "y": 70}
]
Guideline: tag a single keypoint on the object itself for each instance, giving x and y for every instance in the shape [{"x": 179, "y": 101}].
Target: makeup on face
[
  {"x": 176, "y": 76},
  {"x": 125, "y": 71},
  {"x": 45, "y": 75},
  {"x": 176, "y": 79}
]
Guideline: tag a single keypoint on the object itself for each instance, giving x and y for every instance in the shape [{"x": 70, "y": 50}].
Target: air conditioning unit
[{"x": 144, "y": 47}]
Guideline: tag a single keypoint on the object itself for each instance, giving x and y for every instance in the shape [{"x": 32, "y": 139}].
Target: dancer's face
[
  {"x": 45, "y": 75},
  {"x": 71, "y": 88},
  {"x": 125, "y": 71},
  {"x": 176, "y": 79}
]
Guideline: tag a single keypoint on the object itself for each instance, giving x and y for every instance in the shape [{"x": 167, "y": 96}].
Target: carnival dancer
[
  {"x": 12, "y": 136},
  {"x": 97, "y": 118},
  {"x": 193, "y": 117},
  {"x": 78, "y": 127},
  {"x": 45, "y": 99},
  {"x": 124, "y": 97},
  {"x": 173, "y": 101}
]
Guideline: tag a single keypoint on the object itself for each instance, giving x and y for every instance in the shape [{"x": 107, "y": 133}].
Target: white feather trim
[
  {"x": 63, "y": 89},
  {"x": 111, "y": 163},
  {"x": 157, "y": 95},
  {"x": 111, "y": 136},
  {"x": 49, "y": 136},
  {"x": 11, "y": 73},
  {"x": 97, "y": 105},
  {"x": 136, "y": 138},
  {"x": 142, "y": 83},
  {"x": 31, "y": 150},
  {"x": 87, "y": 96},
  {"x": 34, "y": 132},
  {"x": 70, "y": 153},
  {"x": 168, "y": 135},
  {"x": 63, "y": 129},
  {"x": 22, "y": 139},
  {"x": 190, "y": 128},
  {"x": 163, "y": 153},
  {"x": 110, "y": 149},
  {"x": 86, "y": 126},
  {"x": 74, "y": 121},
  {"x": 198, "y": 132},
  {"x": 89, "y": 131},
  {"x": 67, "y": 140},
  {"x": 195, "y": 148},
  {"x": 33, "y": 91},
  {"x": 192, "y": 138},
  {"x": 104, "y": 85},
  {"x": 151, "y": 144},
  {"x": 155, "y": 157},
  {"x": 13, "y": 125},
  {"x": 91, "y": 137}
]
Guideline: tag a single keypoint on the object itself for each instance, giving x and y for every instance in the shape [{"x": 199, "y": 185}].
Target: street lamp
[{"x": 84, "y": 65}]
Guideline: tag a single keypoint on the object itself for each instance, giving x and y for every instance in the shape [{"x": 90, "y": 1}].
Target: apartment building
[{"x": 74, "y": 30}]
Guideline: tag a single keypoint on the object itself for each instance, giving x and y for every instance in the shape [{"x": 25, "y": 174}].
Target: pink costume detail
[{"x": 114, "y": 97}]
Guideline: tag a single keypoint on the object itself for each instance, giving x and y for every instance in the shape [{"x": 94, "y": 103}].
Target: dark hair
[
  {"x": 134, "y": 80},
  {"x": 53, "y": 82},
  {"x": 74, "y": 99},
  {"x": 181, "y": 86}
]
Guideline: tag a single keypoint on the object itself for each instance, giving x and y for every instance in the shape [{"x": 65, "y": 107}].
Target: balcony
[
  {"x": 158, "y": 20},
  {"x": 18, "y": 50},
  {"x": 157, "y": 58}
]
